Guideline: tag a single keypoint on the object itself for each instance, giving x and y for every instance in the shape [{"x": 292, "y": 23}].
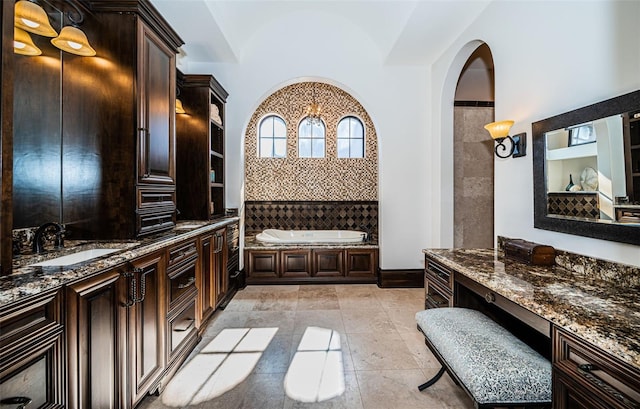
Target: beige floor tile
[
  {"x": 277, "y": 356},
  {"x": 368, "y": 321},
  {"x": 324, "y": 340},
  {"x": 226, "y": 319},
  {"x": 404, "y": 320},
  {"x": 405, "y": 298},
  {"x": 380, "y": 351},
  {"x": 421, "y": 353},
  {"x": 276, "y": 301},
  {"x": 241, "y": 304},
  {"x": 446, "y": 390},
  {"x": 390, "y": 389},
  {"x": 331, "y": 319},
  {"x": 283, "y": 320},
  {"x": 348, "y": 397}
]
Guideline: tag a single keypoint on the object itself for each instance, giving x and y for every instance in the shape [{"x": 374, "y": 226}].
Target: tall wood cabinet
[
  {"x": 200, "y": 148},
  {"x": 119, "y": 123}
]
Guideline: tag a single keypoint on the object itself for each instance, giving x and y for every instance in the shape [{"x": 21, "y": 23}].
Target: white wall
[
  {"x": 550, "y": 57},
  {"x": 394, "y": 96}
]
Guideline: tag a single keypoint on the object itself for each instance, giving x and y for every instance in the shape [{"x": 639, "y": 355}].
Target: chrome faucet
[{"x": 41, "y": 234}]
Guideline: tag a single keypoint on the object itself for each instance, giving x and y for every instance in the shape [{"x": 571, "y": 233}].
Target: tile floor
[{"x": 313, "y": 346}]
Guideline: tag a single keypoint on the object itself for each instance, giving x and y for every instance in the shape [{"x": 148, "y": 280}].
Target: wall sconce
[
  {"x": 32, "y": 18},
  {"x": 23, "y": 44},
  {"x": 499, "y": 131},
  {"x": 71, "y": 38},
  {"x": 179, "y": 107}
]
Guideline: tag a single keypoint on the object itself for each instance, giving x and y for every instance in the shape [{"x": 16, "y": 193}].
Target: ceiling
[{"x": 405, "y": 32}]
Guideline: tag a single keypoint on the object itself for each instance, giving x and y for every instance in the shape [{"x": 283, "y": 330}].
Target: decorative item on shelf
[
  {"x": 215, "y": 114},
  {"x": 499, "y": 131},
  {"x": 211, "y": 208},
  {"x": 575, "y": 188},
  {"x": 570, "y": 185},
  {"x": 179, "y": 107},
  {"x": 23, "y": 44},
  {"x": 32, "y": 18},
  {"x": 212, "y": 176},
  {"x": 529, "y": 252},
  {"x": 313, "y": 112},
  {"x": 589, "y": 179}
]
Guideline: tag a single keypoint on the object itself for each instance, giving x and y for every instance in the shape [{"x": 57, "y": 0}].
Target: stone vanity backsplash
[{"x": 591, "y": 268}]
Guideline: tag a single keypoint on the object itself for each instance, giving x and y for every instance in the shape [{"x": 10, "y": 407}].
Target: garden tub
[{"x": 276, "y": 236}]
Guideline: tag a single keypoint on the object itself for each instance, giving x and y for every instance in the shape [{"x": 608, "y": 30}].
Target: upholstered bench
[{"x": 493, "y": 366}]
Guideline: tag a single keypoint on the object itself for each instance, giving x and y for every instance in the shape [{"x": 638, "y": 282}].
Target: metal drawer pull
[
  {"x": 490, "y": 297},
  {"x": 434, "y": 301},
  {"x": 21, "y": 401},
  {"x": 587, "y": 367}
]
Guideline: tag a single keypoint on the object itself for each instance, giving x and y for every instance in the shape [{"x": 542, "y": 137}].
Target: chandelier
[{"x": 313, "y": 111}]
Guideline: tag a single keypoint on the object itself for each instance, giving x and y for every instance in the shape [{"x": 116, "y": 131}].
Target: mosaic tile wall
[
  {"x": 307, "y": 215},
  {"x": 574, "y": 205},
  {"x": 309, "y": 179}
]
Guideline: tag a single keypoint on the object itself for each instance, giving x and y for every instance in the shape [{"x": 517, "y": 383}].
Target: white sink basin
[{"x": 75, "y": 258}]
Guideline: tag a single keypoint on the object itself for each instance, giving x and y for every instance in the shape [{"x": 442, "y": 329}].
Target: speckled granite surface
[
  {"x": 27, "y": 281},
  {"x": 602, "y": 312}
]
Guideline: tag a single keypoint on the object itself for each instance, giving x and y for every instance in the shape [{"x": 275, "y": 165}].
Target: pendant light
[
  {"x": 32, "y": 18},
  {"x": 74, "y": 41},
  {"x": 23, "y": 44}
]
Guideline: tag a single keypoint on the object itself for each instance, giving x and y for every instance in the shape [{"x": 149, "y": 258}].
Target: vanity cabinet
[
  {"x": 586, "y": 377},
  {"x": 438, "y": 285},
  {"x": 200, "y": 148},
  {"x": 127, "y": 134},
  {"x": 116, "y": 327},
  {"x": 32, "y": 353},
  {"x": 211, "y": 281}
]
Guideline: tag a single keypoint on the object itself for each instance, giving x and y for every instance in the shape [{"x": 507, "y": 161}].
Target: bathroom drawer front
[
  {"x": 182, "y": 282},
  {"x": 182, "y": 252},
  {"x": 182, "y": 328},
  {"x": 153, "y": 198},
  {"x": 438, "y": 273},
  {"x": 436, "y": 296},
  {"x": 155, "y": 221},
  {"x": 612, "y": 382}
]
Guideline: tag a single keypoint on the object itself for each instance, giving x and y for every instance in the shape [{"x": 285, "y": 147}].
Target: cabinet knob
[
  {"x": 490, "y": 297},
  {"x": 587, "y": 367}
]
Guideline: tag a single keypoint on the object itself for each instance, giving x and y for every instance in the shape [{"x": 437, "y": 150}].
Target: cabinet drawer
[
  {"x": 182, "y": 252},
  {"x": 181, "y": 282},
  {"x": 438, "y": 273},
  {"x": 182, "y": 328},
  {"x": 156, "y": 198},
  {"x": 436, "y": 297},
  {"x": 607, "y": 379},
  {"x": 152, "y": 222}
]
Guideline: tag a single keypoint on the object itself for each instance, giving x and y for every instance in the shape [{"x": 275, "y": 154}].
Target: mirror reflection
[
  {"x": 586, "y": 166},
  {"x": 585, "y": 169}
]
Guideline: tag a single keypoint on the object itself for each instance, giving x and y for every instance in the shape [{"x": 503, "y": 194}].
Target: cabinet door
[
  {"x": 156, "y": 72},
  {"x": 146, "y": 322},
  {"x": 206, "y": 279},
  {"x": 96, "y": 341},
  {"x": 361, "y": 263},
  {"x": 220, "y": 266},
  {"x": 295, "y": 263}
]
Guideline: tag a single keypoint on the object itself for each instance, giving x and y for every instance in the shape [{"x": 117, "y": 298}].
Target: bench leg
[{"x": 432, "y": 380}]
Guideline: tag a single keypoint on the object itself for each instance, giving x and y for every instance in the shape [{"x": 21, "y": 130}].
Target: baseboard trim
[{"x": 413, "y": 278}]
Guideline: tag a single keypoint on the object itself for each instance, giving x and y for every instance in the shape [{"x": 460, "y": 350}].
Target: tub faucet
[
  {"x": 367, "y": 233},
  {"x": 41, "y": 234}
]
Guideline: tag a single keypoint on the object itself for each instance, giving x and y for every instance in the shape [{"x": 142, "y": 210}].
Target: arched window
[
  {"x": 311, "y": 139},
  {"x": 272, "y": 137},
  {"x": 350, "y": 138}
]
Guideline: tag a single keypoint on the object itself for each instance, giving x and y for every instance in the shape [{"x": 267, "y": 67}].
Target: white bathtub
[{"x": 311, "y": 236}]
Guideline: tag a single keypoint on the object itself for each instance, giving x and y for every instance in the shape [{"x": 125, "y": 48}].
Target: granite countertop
[
  {"x": 26, "y": 280},
  {"x": 598, "y": 311}
]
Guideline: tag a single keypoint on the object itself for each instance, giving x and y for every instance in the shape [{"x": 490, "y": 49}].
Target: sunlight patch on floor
[
  {"x": 221, "y": 365},
  {"x": 316, "y": 373}
]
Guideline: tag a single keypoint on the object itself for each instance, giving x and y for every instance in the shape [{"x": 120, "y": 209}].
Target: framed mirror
[{"x": 586, "y": 169}]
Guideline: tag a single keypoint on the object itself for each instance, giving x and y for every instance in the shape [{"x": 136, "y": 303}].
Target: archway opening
[{"x": 473, "y": 182}]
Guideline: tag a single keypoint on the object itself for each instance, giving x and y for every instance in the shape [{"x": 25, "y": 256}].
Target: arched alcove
[{"x": 473, "y": 152}]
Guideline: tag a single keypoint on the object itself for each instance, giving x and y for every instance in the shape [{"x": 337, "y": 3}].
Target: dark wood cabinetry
[
  {"x": 32, "y": 353},
  {"x": 212, "y": 281},
  {"x": 96, "y": 341},
  {"x": 116, "y": 327},
  {"x": 127, "y": 130},
  {"x": 586, "y": 377},
  {"x": 632, "y": 157},
  {"x": 200, "y": 148},
  {"x": 438, "y": 285},
  {"x": 311, "y": 265}
]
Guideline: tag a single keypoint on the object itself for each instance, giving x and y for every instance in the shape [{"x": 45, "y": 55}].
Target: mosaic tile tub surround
[
  {"x": 316, "y": 179},
  {"x": 311, "y": 215}
]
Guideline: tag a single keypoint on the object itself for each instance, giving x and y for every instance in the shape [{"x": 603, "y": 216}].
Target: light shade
[
  {"x": 499, "y": 129},
  {"x": 74, "y": 41},
  {"x": 23, "y": 44},
  {"x": 32, "y": 18},
  {"x": 179, "y": 108}
]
